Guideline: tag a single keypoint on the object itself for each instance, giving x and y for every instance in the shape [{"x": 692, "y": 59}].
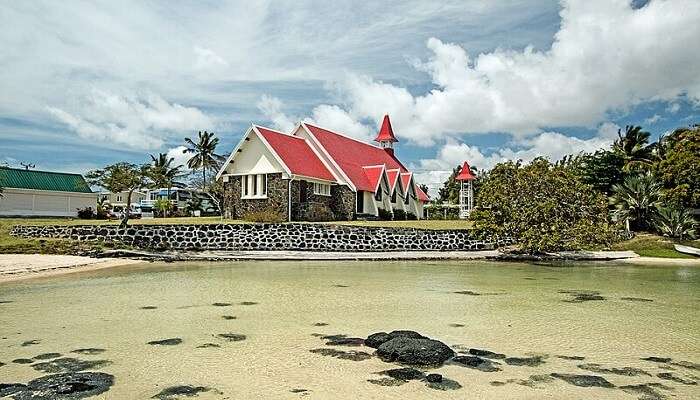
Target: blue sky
[{"x": 87, "y": 84}]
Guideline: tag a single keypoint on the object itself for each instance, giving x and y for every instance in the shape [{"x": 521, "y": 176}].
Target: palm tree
[
  {"x": 675, "y": 222},
  {"x": 634, "y": 147},
  {"x": 635, "y": 200},
  {"x": 204, "y": 154},
  {"x": 162, "y": 173}
]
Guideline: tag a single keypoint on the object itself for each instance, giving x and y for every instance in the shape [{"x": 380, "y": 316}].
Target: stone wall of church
[{"x": 286, "y": 236}]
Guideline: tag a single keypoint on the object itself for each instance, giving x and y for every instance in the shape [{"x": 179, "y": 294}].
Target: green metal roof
[{"x": 42, "y": 180}]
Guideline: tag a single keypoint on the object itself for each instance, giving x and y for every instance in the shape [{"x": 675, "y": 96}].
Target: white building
[{"x": 31, "y": 193}]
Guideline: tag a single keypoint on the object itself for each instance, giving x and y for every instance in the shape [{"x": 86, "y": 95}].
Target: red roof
[
  {"x": 386, "y": 134},
  {"x": 352, "y": 155},
  {"x": 296, "y": 154},
  {"x": 393, "y": 175},
  {"x": 466, "y": 173},
  {"x": 422, "y": 196},
  {"x": 374, "y": 174}
]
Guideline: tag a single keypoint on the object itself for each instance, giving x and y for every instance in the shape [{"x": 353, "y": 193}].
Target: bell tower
[{"x": 385, "y": 136}]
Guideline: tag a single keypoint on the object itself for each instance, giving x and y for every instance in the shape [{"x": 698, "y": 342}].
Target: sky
[{"x": 85, "y": 84}]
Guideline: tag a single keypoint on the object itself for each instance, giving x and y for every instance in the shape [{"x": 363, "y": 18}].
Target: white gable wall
[{"x": 254, "y": 158}]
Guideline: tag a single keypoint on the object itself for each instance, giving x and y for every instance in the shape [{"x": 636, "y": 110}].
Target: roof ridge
[
  {"x": 42, "y": 171},
  {"x": 343, "y": 135},
  {"x": 276, "y": 131}
]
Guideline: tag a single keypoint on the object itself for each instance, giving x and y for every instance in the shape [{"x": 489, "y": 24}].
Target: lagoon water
[{"x": 283, "y": 307}]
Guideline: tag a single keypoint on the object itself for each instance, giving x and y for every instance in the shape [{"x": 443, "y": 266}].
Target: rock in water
[
  {"x": 475, "y": 362},
  {"x": 68, "y": 386},
  {"x": 525, "y": 361},
  {"x": 584, "y": 380},
  {"x": 486, "y": 353},
  {"x": 414, "y": 351},
  {"x": 377, "y": 339},
  {"x": 175, "y": 392},
  {"x": 69, "y": 364},
  {"x": 434, "y": 378},
  {"x": 404, "y": 374},
  {"x": 165, "y": 342},
  {"x": 7, "y": 389}
]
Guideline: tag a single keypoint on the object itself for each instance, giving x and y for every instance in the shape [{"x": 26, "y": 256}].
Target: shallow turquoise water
[{"x": 516, "y": 309}]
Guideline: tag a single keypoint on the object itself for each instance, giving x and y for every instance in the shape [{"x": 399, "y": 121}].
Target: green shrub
[
  {"x": 543, "y": 208},
  {"x": 399, "y": 215},
  {"x": 319, "y": 213},
  {"x": 86, "y": 213},
  {"x": 267, "y": 215},
  {"x": 385, "y": 215},
  {"x": 675, "y": 222},
  {"x": 411, "y": 216}
]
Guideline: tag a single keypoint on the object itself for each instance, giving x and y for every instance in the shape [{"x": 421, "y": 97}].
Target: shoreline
[{"x": 18, "y": 267}]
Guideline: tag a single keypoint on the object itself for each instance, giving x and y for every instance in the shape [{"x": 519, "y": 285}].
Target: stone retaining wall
[{"x": 316, "y": 237}]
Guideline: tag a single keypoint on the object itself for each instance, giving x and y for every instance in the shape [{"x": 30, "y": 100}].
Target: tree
[
  {"x": 635, "y": 201},
  {"x": 162, "y": 173},
  {"x": 679, "y": 169},
  {"x": 542, "y": 207},
  {"x": 204, "y": 154},
  {"x": 120, "y": 177},
  {"x": 601, "y": 169},
  {"x": 634, "y": 148},
  {"x": 675, "y": 222}
]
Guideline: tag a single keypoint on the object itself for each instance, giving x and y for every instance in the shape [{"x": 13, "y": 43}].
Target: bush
[
  {"x": 543, "y": 208},
  {"x": 318, "y": 212},
  {"x": 675, "y": 222},
  {"x": 86, "y": 213},
  {"x": 399, "y": 215},
  {"x": 269, "y": 215},
  {"x": 385, "y": 215},
  {"x": 411, "y": 216}
]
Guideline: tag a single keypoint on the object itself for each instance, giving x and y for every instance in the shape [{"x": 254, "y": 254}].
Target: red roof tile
[
  {"x": 374, "y": 174},
  {"x": 296, "y": 154},
  {"x": 466, "y": 173},
  {"x": 422, "y": 196},
  {"x": 352, "y": 155},
  {"x": 393, "y": 175},
  {"x": 386, "y": 134}
]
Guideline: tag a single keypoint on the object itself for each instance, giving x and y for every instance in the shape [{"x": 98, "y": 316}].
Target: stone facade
[
  {"x": 290, "y": 236},
  {"x": 277, "y": 198},
  {"x": 306, "y": 206}
]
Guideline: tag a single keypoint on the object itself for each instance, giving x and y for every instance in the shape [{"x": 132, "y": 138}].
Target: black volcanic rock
[{"x": 414, "y": 351}]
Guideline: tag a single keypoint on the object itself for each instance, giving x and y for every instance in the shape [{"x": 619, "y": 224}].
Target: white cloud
[
  {"x": 271, "y": 108},
  {"x": 599, "y": 61},
  {"x": 179, "y": 157},
  {"x": 673, "y": 108},
  {"x": 137, "y": 122},
  {"x": 326, "y": 116},
  {"x": 653, "y": 119},
  {"x": 207, "y": 58},
  {"x": 552, "y": 145}
]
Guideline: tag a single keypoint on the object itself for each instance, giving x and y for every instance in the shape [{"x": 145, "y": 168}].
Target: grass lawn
[
  {"x": 648, "y": 245},
  {"x": 10, "y": 244}
]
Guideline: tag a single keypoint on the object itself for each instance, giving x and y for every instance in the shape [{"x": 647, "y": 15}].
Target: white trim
[
  {"x": 380, "y": 175},
  {"x": 233, "y": 153},
  {"x": 350, "y": 183},
  {"x": 42, "y": 191},
  {"x": 272, "y": 150}
]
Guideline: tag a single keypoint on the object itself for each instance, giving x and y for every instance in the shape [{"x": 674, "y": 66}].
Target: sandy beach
[{"x": 15, "y": 267}]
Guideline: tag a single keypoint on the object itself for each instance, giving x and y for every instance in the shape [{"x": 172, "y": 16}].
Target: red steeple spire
[
  {"x": 466, "y": 173},
  {"x": 386, "y": 134}
]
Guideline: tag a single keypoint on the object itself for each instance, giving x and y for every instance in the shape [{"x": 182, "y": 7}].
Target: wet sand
[{"x": 15, "y": 267}]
